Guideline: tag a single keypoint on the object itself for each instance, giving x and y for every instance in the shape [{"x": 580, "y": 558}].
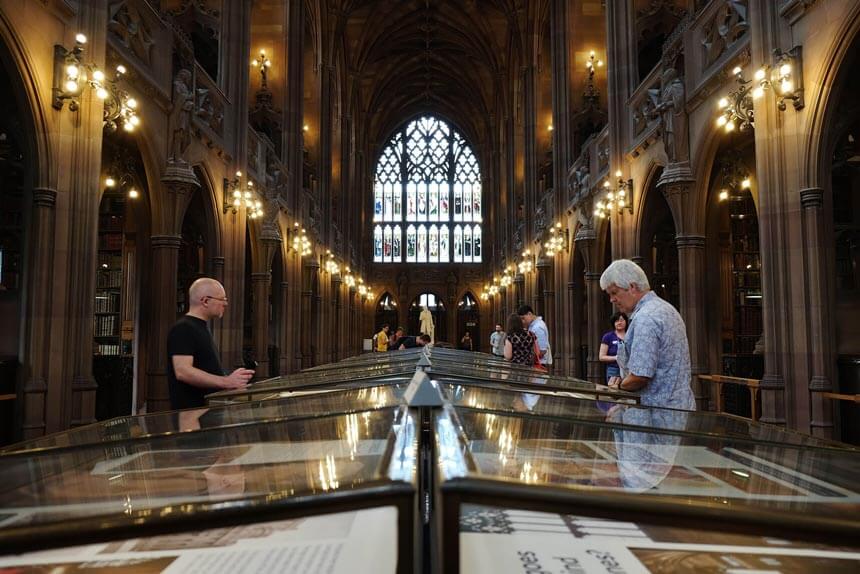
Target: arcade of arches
[{"x": 468, "y": 156}]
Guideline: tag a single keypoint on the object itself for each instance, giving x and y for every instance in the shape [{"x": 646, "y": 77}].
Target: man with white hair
[
  {"x": 655, "y": 355},
  {"x": 193, "y": 367}
]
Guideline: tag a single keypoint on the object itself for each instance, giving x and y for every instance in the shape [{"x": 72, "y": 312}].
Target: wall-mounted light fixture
[
  {"x": 331, "y": 265},
  {"x": 72, "y": 76},
  {"x": 785, "y": 78},
  {"x": 235, "y": 197},
  {"x": 527, "y": 263},
  {"x": 301, "y": 243},
  {"x": 507, "y": 276},
  {"x": 615, "y": 198},
  {"x": 264, "y": 63},
  {"x": 557, "y": 240},
  {"x": 123, "y": 183}
]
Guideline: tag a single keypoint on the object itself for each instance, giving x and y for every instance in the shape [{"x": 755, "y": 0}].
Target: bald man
[{"x": 193, "y": 367}]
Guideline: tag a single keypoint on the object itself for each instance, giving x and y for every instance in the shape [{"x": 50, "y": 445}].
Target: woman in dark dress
[{"x": 519, "y": 343}]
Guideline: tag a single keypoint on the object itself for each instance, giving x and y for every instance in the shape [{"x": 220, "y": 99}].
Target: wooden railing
[
  {"x": 841, "y": 397},
  {"x": 719, "y": 380}
]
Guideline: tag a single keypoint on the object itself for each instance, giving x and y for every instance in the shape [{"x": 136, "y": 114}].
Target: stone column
[
  {"x": 336, "y": 345},
  {"x": 38, "y": 310},
  {"x": 818, "y": 310},
  {"x": 595, "y": 326},
  {"x": 586, "y": 240},
  {"x": 165, "y": 260},
  {"x": 260, "y": 285},
  {"x": 691, "y": 270},
  {"x": 179, "y": 182},
  {"x": 283, "y": 345}
]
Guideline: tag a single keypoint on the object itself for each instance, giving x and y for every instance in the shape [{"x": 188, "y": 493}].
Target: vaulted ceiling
[{"x": 454, "y": 58}]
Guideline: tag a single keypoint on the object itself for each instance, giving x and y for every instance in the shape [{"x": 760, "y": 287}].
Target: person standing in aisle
[
  {"x": 497, "y": 342},
  {"x": 655, "y": 356},
  {"x": 609, "y": 347},
  {"x": 193, "y": 367},
  {"x": 538, "y": 328},
  {"x": 382, "y": 339}
]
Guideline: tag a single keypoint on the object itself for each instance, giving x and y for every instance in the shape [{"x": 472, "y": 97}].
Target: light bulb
[
  {"x": 110, "y": 182},
  {"x": 759, "y": 74},
  {"x": 133, "y": 193},
  {"x": 72, "y": 71},
  {"x": 71, "y": 86},
  {"x": 131, "y": 103},
  {"x": 745, "y": 184},
  {"x": 724, "y": 195},
  {"x": 128, "y": 126},
  {"x": 617, "y": 173},
  {"x": 134, "y": 120},
  {"x": 247, "y": 195},
  {"x": 721, "y": 121},
  {"x": 254, "y": 63},
  {"x": 730, "y": 126},
  {"x": 80, "y": 39},
  {"x": 102, "y": 93},
  {"x": 237, "y": 194},
  {"x": 723, "y": 103},
  {"x": 737, "y": 70},
  {"x": 120, "y": 69},
  {"x": 785, "y": 70},
  {"x": 98, "y": 76},
  {"x": 238, "y": 174},
  {"x": 250, "y": 184},
  {"x": 757, "y": 92},
  {"x": 786, "y": 86}
]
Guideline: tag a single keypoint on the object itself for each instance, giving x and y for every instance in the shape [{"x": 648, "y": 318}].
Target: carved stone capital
[
  {"x": 593, "y": 275},
  {"x": 676, "y": 178},
  {"x": 820, "y": 383},
  {"x": 179, "y": 177},
  {"x": 772, "y": 382},
  {"x": 690, "y": 241},
  {"x": 812, "y": 198},
  {"x": 165, "y": 242},
  {"x": 44, "y": 197},
  {"x": 261, "y": 277}
]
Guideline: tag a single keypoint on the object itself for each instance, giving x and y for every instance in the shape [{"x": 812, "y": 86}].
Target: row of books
[
  {"x": 107, "y": 302},
  {"x": 110, "y": 241},
  {"x": 109, "y": 278},
  {"x": 110, "y": 350},
  {"x": 106, "y": 325}
]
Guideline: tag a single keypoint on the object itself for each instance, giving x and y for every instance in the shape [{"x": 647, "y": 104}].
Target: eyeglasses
[{"x": 222, "y": 299}]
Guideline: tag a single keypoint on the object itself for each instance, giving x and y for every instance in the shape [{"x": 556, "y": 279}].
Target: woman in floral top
[{"x": 519, "y": 343}]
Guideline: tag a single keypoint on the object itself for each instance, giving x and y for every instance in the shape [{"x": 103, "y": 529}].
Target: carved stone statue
[
  {"x": 427, "y": 326},
  {"x": 183, "y": 104},
  {"x": 673, "y": 117}
]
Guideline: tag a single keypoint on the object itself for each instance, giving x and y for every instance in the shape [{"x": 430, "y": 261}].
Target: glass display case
[{"x": 429, "y": 461}]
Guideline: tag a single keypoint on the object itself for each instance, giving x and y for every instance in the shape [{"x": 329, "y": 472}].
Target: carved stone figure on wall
[
  {"x": 673, "y": 116},
  {"x": 183, "y": 104}
]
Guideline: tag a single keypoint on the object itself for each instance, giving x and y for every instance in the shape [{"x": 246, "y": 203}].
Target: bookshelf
[
  {"x": 740, "y": 358},
  {"x": 113, "y": 333}
]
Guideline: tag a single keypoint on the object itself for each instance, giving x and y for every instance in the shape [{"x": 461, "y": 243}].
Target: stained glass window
[{"x": 428, "y": 176}]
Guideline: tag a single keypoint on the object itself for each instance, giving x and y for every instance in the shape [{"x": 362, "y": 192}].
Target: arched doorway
[
  {"x": 122, "y": 268},
  {"x": 469, "y": 320},
  {"x": 733, "y": 269},
  {"x": 436, "y": 306},
  {"x": 193, "y": 256},
  {"x": 386, "y": 312},
  {"x": 841, "y": 172},
  {"x": 17, "y": 177},
  {"x": 658, "y": 247}
]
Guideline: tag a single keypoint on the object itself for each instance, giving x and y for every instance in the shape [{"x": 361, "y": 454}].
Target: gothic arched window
[{"x": 427, "y": 176}]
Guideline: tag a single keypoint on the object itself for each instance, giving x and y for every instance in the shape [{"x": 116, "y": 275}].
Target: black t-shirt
[
  {"x": 190, "y": 336},
  {"x": 407, "y": 342}
]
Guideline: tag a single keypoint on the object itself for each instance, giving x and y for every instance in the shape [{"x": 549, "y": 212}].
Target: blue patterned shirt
[{"x": 656, "y": 348}]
